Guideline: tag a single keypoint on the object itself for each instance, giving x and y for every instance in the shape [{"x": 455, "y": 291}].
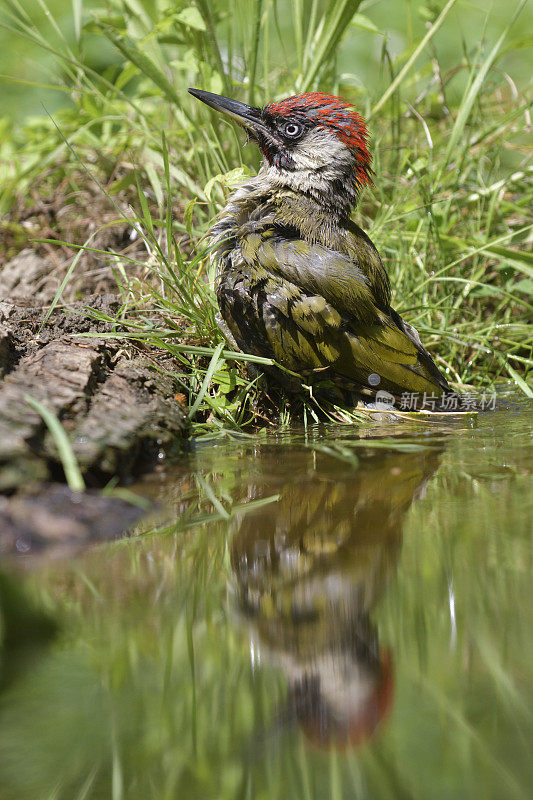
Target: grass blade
[
  {"x": 411, "y": 60},
  {"x": 338, "y": 17},
  {"x": 520, "y": 382},
  {"x": 64, "y": 282},
  {"x": 66, "y": 454},
  {"x": 207, "y": 380},
  {"x": 473, "y": 89},
  {"x": 129, "y": 50}
]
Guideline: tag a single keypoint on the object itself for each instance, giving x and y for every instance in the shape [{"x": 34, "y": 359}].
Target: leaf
[
  {"x": 227, "y": 179},
  {"x": 227, "y": 380},
  {"x": 363, "y": 22},
  {"x": 525, "y": 286},
  {"x": 129, "y": 72},
  {"x": 486, "y": 290},
  {"x": 187, "y": 215},
  {"x": 518, "y": 259},
  {"x": 192, "y": 18},
  {"x": 122, "y": 183},
  {"x": 96, "y": 24}
]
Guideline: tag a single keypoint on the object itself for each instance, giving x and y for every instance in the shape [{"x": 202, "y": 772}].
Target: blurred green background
[{"x": 26, "y": 68}]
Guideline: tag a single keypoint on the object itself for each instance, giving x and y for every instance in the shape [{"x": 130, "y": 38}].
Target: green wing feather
[{"x": 319, "y": 308}]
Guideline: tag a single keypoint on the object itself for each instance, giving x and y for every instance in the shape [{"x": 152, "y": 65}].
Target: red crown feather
[{"x": 336, "y": 115}]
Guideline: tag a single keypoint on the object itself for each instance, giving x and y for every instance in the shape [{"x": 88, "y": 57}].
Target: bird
[{"x": 298, "y": 281}]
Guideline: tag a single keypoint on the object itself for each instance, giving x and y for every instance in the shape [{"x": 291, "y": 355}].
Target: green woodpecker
[{"x": 298, "y": 280}]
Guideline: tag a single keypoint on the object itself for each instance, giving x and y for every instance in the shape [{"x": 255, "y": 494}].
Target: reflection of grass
[
  {"x": 449, "y": 211},
  {"x": 152, "y": 692},
  {"x": 22, "y": 623}
]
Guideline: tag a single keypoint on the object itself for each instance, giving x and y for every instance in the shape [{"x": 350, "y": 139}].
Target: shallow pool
[{"x": 335, "y": 612}]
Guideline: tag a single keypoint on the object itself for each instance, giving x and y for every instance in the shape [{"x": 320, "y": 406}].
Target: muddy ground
[{"x": 118, "y": 404}]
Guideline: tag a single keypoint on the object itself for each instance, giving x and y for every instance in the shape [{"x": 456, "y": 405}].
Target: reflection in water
[
  {"x": 25, "y": 630},
  {"x": 149, "y": 690},
  {"x": 308, "y": 572}
]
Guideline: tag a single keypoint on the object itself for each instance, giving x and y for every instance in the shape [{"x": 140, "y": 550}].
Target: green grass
[{"x": 449, "y": 213}]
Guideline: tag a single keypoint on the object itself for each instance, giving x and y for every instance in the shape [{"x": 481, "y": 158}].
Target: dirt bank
[{"x": 116, "y": 402}]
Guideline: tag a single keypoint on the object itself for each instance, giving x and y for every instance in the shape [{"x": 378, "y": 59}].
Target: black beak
[{"x": 247, "y": 116}]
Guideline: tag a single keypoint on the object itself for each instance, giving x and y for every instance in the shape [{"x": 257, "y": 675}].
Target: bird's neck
[
  {"x": 265, "y": 200},
  {"x": 333, "y": 188}
]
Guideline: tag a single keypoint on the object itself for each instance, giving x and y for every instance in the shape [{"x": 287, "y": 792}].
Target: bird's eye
[{"x": 292, "y": 129}]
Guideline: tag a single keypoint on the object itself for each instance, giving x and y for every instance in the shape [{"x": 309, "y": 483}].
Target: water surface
[{"x": 339, "y": 612}]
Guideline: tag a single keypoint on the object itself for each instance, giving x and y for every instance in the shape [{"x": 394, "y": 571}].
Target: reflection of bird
[
  {"x": 307, "y": 574},
  {"x": 299, "y": 281}
]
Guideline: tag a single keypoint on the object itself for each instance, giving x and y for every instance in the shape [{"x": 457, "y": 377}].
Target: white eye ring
[{"x": 292, "y": 129}]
